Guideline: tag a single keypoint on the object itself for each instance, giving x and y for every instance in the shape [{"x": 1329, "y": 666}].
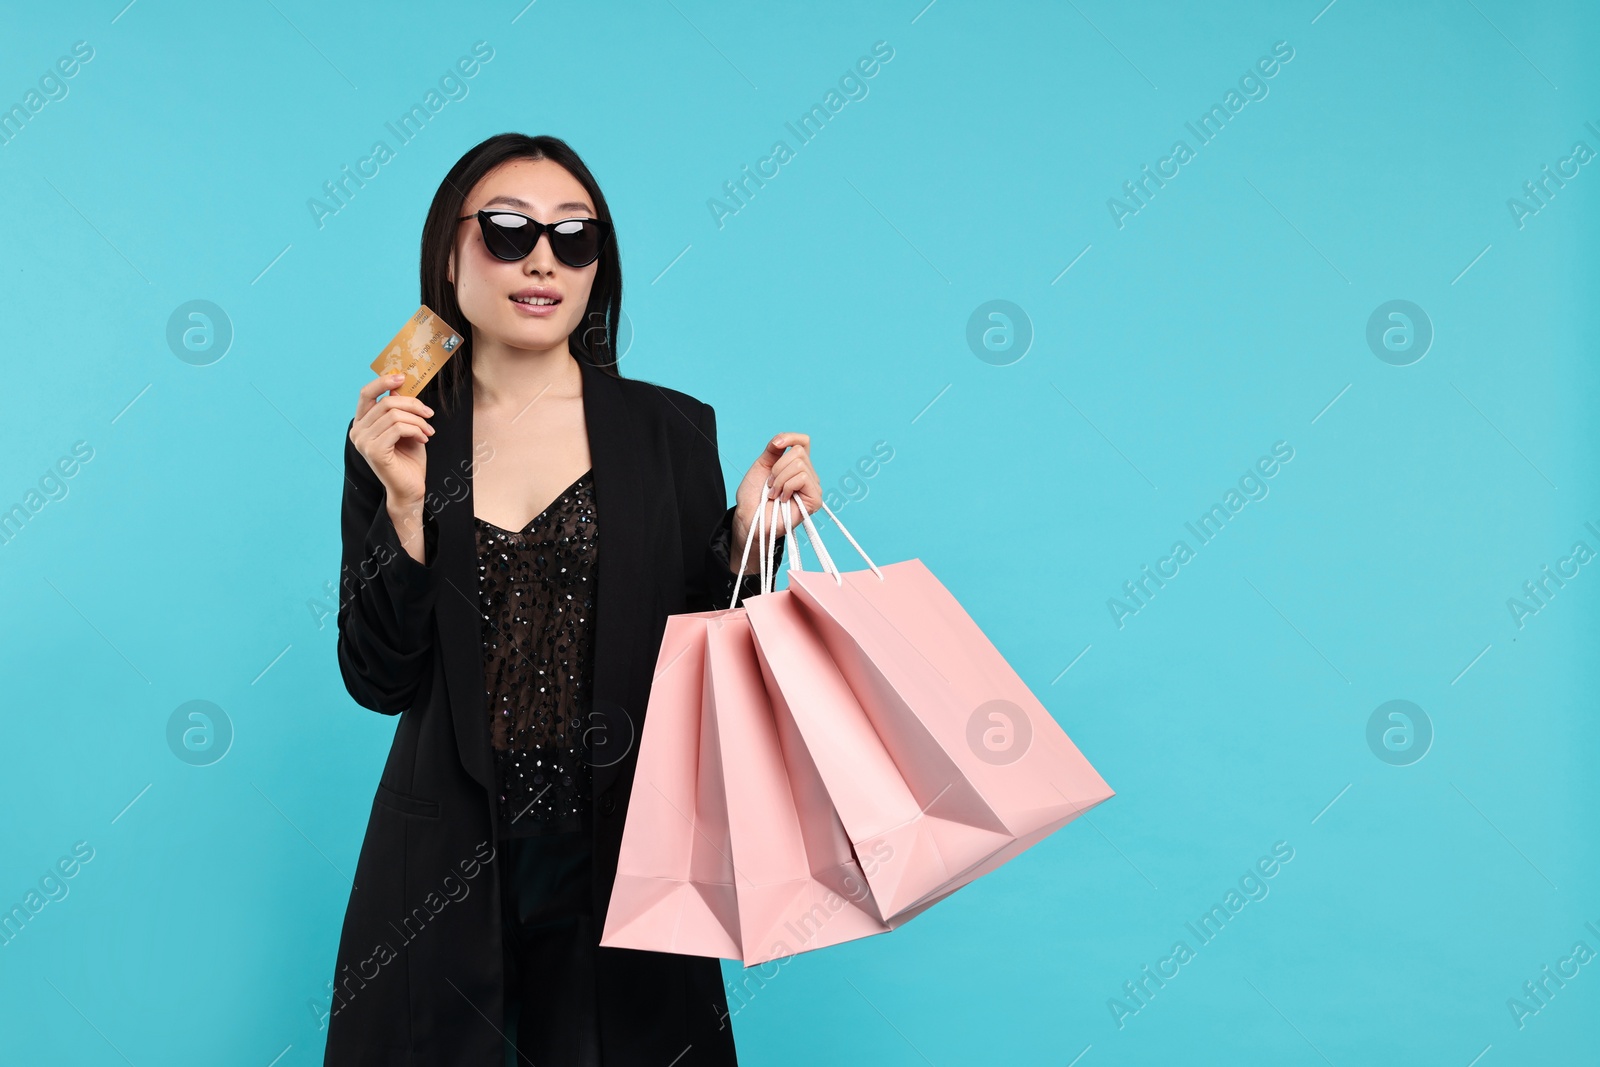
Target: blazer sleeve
[
  {"x": 708, "y": 570},
  {"x": 386, "y": 598}
]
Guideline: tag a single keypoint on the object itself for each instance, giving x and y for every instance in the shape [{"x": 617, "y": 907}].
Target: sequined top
[{"x": 536, "y": 595}]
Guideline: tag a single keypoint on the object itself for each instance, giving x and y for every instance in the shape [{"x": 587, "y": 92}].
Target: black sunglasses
[{"x": 511, "y": 235}]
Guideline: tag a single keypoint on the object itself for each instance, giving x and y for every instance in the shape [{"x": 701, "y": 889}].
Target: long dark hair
[{"x": 594, "y": 339}]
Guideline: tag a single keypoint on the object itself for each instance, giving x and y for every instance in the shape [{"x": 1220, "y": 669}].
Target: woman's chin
[{"x": 534, "y": 335}]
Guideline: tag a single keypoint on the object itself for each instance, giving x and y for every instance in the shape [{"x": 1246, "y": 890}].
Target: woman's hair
[{"x": 594, "y": 339}]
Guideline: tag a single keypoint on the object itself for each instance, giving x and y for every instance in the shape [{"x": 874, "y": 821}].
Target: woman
[{"x": 517, "y": 645}]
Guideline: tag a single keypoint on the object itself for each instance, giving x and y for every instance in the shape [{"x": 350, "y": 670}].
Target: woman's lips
[{"x": 537, "y": 311}]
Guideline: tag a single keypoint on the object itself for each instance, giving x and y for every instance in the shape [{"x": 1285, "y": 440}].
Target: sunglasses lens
[
  {"x": 576, "y": 242},
  {"x": 508, "y": 236}
]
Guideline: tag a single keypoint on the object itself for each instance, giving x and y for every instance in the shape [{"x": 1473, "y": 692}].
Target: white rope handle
[
  {"x": 822, "y": 552},
  {"x": 792, "y": 543},
  {"x": 744, "y": 558},
  {"x": 824, "y": 560},
  {"x": 761, "y": 540},
  {"x": 769, "y": 545},
  {"x": 768, "y": 552},
  {"x": 772, "y": 545},
  {"x": 769, "y": 542}
]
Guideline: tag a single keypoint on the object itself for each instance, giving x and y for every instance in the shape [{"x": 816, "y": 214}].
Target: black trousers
[{"x": 549, "y": 946}]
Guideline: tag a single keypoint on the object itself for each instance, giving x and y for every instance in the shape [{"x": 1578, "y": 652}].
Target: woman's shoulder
[{"x": 677, "y": 409}]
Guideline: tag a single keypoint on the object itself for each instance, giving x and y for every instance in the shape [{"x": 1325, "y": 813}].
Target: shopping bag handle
[
  {"x": 769, "y": 541},
  {"x": 769, "y": 570},
  {"x": 744, "y": 557},
  {"x": 825, "y": 558}
]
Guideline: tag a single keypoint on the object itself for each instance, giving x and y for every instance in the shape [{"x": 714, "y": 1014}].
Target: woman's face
[{"x": 485, "y": 285}]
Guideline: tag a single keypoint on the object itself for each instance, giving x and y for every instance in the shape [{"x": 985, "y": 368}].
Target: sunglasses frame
[{"x": 539, "y": 230}]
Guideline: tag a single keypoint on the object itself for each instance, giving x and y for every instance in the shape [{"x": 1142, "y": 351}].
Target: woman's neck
[{"x": 515, "y": 377}]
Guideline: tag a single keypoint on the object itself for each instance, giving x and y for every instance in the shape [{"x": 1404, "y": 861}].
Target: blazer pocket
[{"x": 393, "y": 798}]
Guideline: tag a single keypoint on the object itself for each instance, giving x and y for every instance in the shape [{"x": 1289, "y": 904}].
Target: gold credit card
[{"x": 422, "y": 346}]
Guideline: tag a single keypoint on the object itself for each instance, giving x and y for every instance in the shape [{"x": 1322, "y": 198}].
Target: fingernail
[{"x": 397, "y": 377}]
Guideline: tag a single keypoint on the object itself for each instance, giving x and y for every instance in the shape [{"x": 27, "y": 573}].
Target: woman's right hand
[{"x": 392, "y": 434}]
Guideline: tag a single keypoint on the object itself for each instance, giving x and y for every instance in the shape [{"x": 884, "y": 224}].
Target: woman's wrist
[
  {"x": 739, "y": 532},
  {"x": 407, "y": 520}
]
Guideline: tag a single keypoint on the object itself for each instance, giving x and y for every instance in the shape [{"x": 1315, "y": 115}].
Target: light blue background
[{"x": 192, "y": 555}]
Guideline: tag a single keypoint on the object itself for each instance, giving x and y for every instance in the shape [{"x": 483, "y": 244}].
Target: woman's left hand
[{"x": 786, "y": 462}]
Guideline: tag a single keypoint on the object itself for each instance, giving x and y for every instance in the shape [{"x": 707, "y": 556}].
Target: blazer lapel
[
  {"x": 622, "y": 596},
  {"x": 627, "y": 482},
  {"x": 449, "y": 479}
]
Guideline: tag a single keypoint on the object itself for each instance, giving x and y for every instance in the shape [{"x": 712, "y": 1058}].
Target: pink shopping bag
[
  {"x": 934, "y": 752},
  {"x": 731, "y": 847},
  {"x": 674, "y": 887},
  {"x": 797, "y": 882}
]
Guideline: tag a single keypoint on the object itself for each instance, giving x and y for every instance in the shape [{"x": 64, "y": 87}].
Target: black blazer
[{"x": 418, "y": 978}]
